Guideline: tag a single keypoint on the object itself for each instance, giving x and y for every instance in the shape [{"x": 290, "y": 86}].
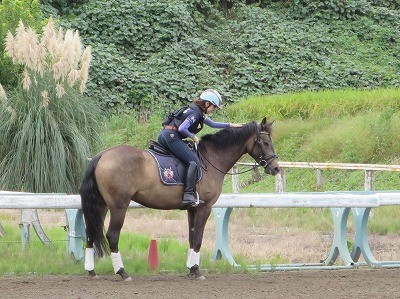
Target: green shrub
[
  {"x": 150, "y": 52},
  {"x": 330, "y": 9}
]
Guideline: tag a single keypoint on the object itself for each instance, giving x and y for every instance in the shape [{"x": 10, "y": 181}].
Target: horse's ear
[
  {"x": 271, "y": 122},
  {"x": 264, "y": 121}
]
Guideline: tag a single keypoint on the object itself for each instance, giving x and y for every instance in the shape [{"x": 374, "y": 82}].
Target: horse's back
[
  {"x": 122, "y": 153},
  {"x": 120, "y": 172}
]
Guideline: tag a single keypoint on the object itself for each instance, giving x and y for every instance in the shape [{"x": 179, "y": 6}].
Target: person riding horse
[
  {"x": 121, "y": 174},
  {"x": 186, "y": 124}
]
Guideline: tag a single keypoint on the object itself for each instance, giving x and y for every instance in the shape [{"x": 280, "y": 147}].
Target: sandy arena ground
[{"x": 359, "y": 283}]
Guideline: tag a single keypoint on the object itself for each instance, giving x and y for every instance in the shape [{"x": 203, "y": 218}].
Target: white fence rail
[
  {"x": 227, "y": 200},
  {"x": 280, "y": 181}
]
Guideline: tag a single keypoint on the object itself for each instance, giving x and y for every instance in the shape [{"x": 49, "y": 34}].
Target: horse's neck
[{"x": 226, "y": 158}]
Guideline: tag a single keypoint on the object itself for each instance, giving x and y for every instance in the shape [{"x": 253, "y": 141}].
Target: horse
[{"x": 119, "y": 175}]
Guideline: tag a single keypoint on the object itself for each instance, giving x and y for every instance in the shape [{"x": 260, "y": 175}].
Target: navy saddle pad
[{"x": 171, "y": 170}]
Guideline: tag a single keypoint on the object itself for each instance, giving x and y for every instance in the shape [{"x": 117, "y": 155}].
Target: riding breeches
[{"x": 171, "y": 140}]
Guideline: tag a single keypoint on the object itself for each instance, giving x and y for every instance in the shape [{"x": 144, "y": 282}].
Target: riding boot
[{"x": 190, "y": 185}]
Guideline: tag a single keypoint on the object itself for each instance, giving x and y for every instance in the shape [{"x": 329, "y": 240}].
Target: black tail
[{"x": 92, "y": 200}]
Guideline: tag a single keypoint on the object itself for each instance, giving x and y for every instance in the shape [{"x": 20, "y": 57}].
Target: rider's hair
[{"x": 201, "y": 104}]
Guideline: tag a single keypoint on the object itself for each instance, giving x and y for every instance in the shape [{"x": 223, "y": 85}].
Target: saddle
[{"x": 171, "y": 170}]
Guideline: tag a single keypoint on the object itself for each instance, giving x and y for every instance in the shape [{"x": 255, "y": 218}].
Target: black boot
[{"x": 190, "y": 185}]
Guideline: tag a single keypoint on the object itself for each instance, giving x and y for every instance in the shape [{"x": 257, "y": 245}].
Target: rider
[{"x": 186, "y": 125}]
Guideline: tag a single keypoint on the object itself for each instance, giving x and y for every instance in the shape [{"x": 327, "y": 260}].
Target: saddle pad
[{"x": 171, "y": 170}]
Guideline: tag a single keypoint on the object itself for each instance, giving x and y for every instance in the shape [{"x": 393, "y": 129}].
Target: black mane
[{"x": 227, "y": 137}]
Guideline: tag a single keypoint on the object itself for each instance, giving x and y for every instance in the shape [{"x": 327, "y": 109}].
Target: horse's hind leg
[
  {"x": 117, "y": 217},
  {"x": 89, "y": 252}
]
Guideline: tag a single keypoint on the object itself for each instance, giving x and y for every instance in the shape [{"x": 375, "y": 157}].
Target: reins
[{"x": 204, "y": 167}]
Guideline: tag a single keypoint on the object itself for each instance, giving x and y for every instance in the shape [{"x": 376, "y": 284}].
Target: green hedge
[{"x": 149, "y": 52}]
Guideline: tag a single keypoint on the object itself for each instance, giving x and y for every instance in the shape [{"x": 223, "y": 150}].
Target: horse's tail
[{"x": 91, "y": 200}]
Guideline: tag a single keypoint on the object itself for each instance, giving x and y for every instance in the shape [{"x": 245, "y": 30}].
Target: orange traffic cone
[{"x": 152, "y": 259}]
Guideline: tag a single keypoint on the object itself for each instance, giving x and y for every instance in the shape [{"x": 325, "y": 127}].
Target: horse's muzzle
[{"x": 272, "y": 170}]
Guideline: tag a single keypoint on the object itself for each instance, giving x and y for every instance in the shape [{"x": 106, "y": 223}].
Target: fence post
[
  {"x": 2, "y": 231},
  {"x": 369, "y": 180},
  {"x": 30, "y": 217},
  {"x": 320, "y": 180},
  {"x": 235, "y": 179},
  {"x": 75, "y": 233},
  {"x": 280, "y": 181},
  {"x": 25, "y": 234},
  {"x": 369, "y": 185}
]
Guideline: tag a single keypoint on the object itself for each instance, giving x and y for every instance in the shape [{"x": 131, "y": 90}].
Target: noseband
[{"x": 265, "y": 160}]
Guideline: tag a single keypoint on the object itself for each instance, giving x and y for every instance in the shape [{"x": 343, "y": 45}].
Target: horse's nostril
[{"x": 276, "y": 169}]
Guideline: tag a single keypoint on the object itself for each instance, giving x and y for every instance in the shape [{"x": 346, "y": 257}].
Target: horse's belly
[{"x": 168, "y": 197}]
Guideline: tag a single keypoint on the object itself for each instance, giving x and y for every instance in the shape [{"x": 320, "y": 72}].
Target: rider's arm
[
  {"x": 214, "y": 124},
  {"x": 184, "y": 128}
]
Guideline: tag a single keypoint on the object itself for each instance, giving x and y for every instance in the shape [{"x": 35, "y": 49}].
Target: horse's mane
[{"x": 227, "y": 137}]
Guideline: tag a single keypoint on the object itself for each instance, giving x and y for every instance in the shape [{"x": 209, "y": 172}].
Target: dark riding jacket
[{"x": 186, "y": 124}]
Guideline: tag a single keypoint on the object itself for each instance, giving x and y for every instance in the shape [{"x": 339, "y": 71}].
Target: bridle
[{"x": 264, "y": 162}]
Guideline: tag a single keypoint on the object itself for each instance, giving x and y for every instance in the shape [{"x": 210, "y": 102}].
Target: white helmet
[{"x": 212, "y": 96}]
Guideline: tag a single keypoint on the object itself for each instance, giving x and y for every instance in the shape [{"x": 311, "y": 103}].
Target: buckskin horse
[{"x": 122, "y": 174}]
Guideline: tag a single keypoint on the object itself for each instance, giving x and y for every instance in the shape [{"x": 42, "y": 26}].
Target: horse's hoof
[
  {"x": 200, "y": 277},
  {"x": 92, "y": 275},
  {"x": 125, "y": 277},
  {"x": 195, "y": 273}
]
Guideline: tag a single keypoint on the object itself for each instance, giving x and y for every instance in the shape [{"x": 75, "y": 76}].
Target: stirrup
[{"x": 193, "y": 203}]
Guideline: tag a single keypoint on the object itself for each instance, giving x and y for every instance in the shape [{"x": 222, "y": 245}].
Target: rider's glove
[
  {"x": 235, "y": 125},
  {"x": 196, "y": 139}
]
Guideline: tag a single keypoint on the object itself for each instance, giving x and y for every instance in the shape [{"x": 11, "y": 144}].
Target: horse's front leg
[
  {"x": 191, "y": 234},
  {"x": 196, "y": 232}
]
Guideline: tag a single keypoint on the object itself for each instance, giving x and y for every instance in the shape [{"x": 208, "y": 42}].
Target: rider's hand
[
  {"x": 236, "y": 125},
  {"x": 196, "y": 139}
]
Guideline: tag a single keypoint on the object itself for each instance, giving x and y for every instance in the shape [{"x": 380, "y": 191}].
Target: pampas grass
[{"x": 48, "y": 126}]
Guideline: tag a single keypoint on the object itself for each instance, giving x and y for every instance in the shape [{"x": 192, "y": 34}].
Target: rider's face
[{"x": 210, "y": 108}]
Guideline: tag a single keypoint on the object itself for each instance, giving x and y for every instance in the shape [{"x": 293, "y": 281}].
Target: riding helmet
[{"x": 212, "y": 96}]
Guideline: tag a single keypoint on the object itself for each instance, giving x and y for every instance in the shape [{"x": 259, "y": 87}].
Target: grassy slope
[{"x": 354, "y": 126}]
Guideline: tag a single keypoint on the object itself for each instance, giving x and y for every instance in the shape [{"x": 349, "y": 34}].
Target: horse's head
[
  {"x": 261, "y": 148},
  {"x": 228, "y": 145}
]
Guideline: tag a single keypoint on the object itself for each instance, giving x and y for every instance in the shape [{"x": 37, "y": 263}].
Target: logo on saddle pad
[
  {"x": 168, "y": 174},
  {"x": 171, "y": 170}
]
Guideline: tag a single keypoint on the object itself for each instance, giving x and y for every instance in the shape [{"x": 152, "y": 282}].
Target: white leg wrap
[
  {"x": 116, "y": 261},
  {"x": 189, "y": 256},
  {"x": 194, "y": 259},
  {"x": 89, "y": 259}
]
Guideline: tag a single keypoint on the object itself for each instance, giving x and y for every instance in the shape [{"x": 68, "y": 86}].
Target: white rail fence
[
  {"x": 340, "y": 203},
  {"x": 280, "y": 180}
]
